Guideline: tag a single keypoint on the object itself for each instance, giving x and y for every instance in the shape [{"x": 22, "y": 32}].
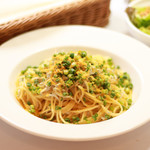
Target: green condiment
[
  {"x": 83, "y": 54},
  {"x": 29, "y": 84},
  {"x": 95, "y": 116},
  {"x": 48, "y": 83},
  {"x": 72, "y": 55}
]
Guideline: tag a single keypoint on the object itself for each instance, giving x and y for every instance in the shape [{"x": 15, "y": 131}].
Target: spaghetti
[{"x": 74, "y": 88}]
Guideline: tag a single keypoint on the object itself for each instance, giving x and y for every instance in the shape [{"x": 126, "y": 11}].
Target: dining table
[{"x": 138, "y": 139}]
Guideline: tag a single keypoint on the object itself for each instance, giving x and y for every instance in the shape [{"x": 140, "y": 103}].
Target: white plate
[{"x": 32, "y": 47}]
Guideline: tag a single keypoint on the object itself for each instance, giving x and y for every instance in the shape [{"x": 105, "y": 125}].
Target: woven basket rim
[
  {"x": 54, "y": 6},
  {"x": 85, "y": 12}
]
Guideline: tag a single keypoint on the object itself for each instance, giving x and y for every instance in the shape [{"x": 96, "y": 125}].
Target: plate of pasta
[{"x": 75, "y": 83}]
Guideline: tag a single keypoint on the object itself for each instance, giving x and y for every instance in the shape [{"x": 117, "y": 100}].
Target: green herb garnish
[
  {"x": 29, "y": 84},
  {"x": 72, "y": 55},
  {"x": 57, "y": 107},
  {"x": 95, "y": 116}
]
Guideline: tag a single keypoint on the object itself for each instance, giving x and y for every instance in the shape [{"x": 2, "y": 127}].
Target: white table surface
[{"x": 138, "y": 139}]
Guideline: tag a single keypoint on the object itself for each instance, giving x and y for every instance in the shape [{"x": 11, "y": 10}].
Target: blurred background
[{"x": 19, "y": 16}]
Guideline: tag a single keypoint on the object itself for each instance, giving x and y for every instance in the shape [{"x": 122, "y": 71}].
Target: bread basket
[{"x": 85, "y": 12}]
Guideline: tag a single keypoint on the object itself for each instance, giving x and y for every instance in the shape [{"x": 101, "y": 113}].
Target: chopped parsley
[
  {"x": 48, "y": 83},
  {"x": 65, "y": 93},
  {"x": 36, "y": 81},
  {"x": 113, "y": 94},
  {"x": 67, "y": 120},
  {"x": 39, "y": 73},
  {"x": 83, "y": 54},
  {"x": 57, "y": 80},
  {"x": 29, "y": 84},
  {"x": 104, "y": 102},
  {"x": 57, "y": 107},
  {"x": 66, "y": 63},
  {"x": 75, "y": 119},
  {"x": 84, "y": 99},
  {"x": 107, "y": 116},
  {"x": 71, "y": 71},
  {"x": 95, "y": 116},
  {"x": 68, "y": 83},
  {"x": 72, "y": 55},
  {"x": 129, "y": 102},
  {"x": 28, "y": 102},
  {"x": 105, "y": 84}
]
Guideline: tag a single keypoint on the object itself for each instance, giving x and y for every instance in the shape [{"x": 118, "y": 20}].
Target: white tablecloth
[{"x": 13, "y": 139}]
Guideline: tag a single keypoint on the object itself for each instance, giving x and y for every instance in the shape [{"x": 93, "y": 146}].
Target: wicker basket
[{"x": 85, "y": 12}]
